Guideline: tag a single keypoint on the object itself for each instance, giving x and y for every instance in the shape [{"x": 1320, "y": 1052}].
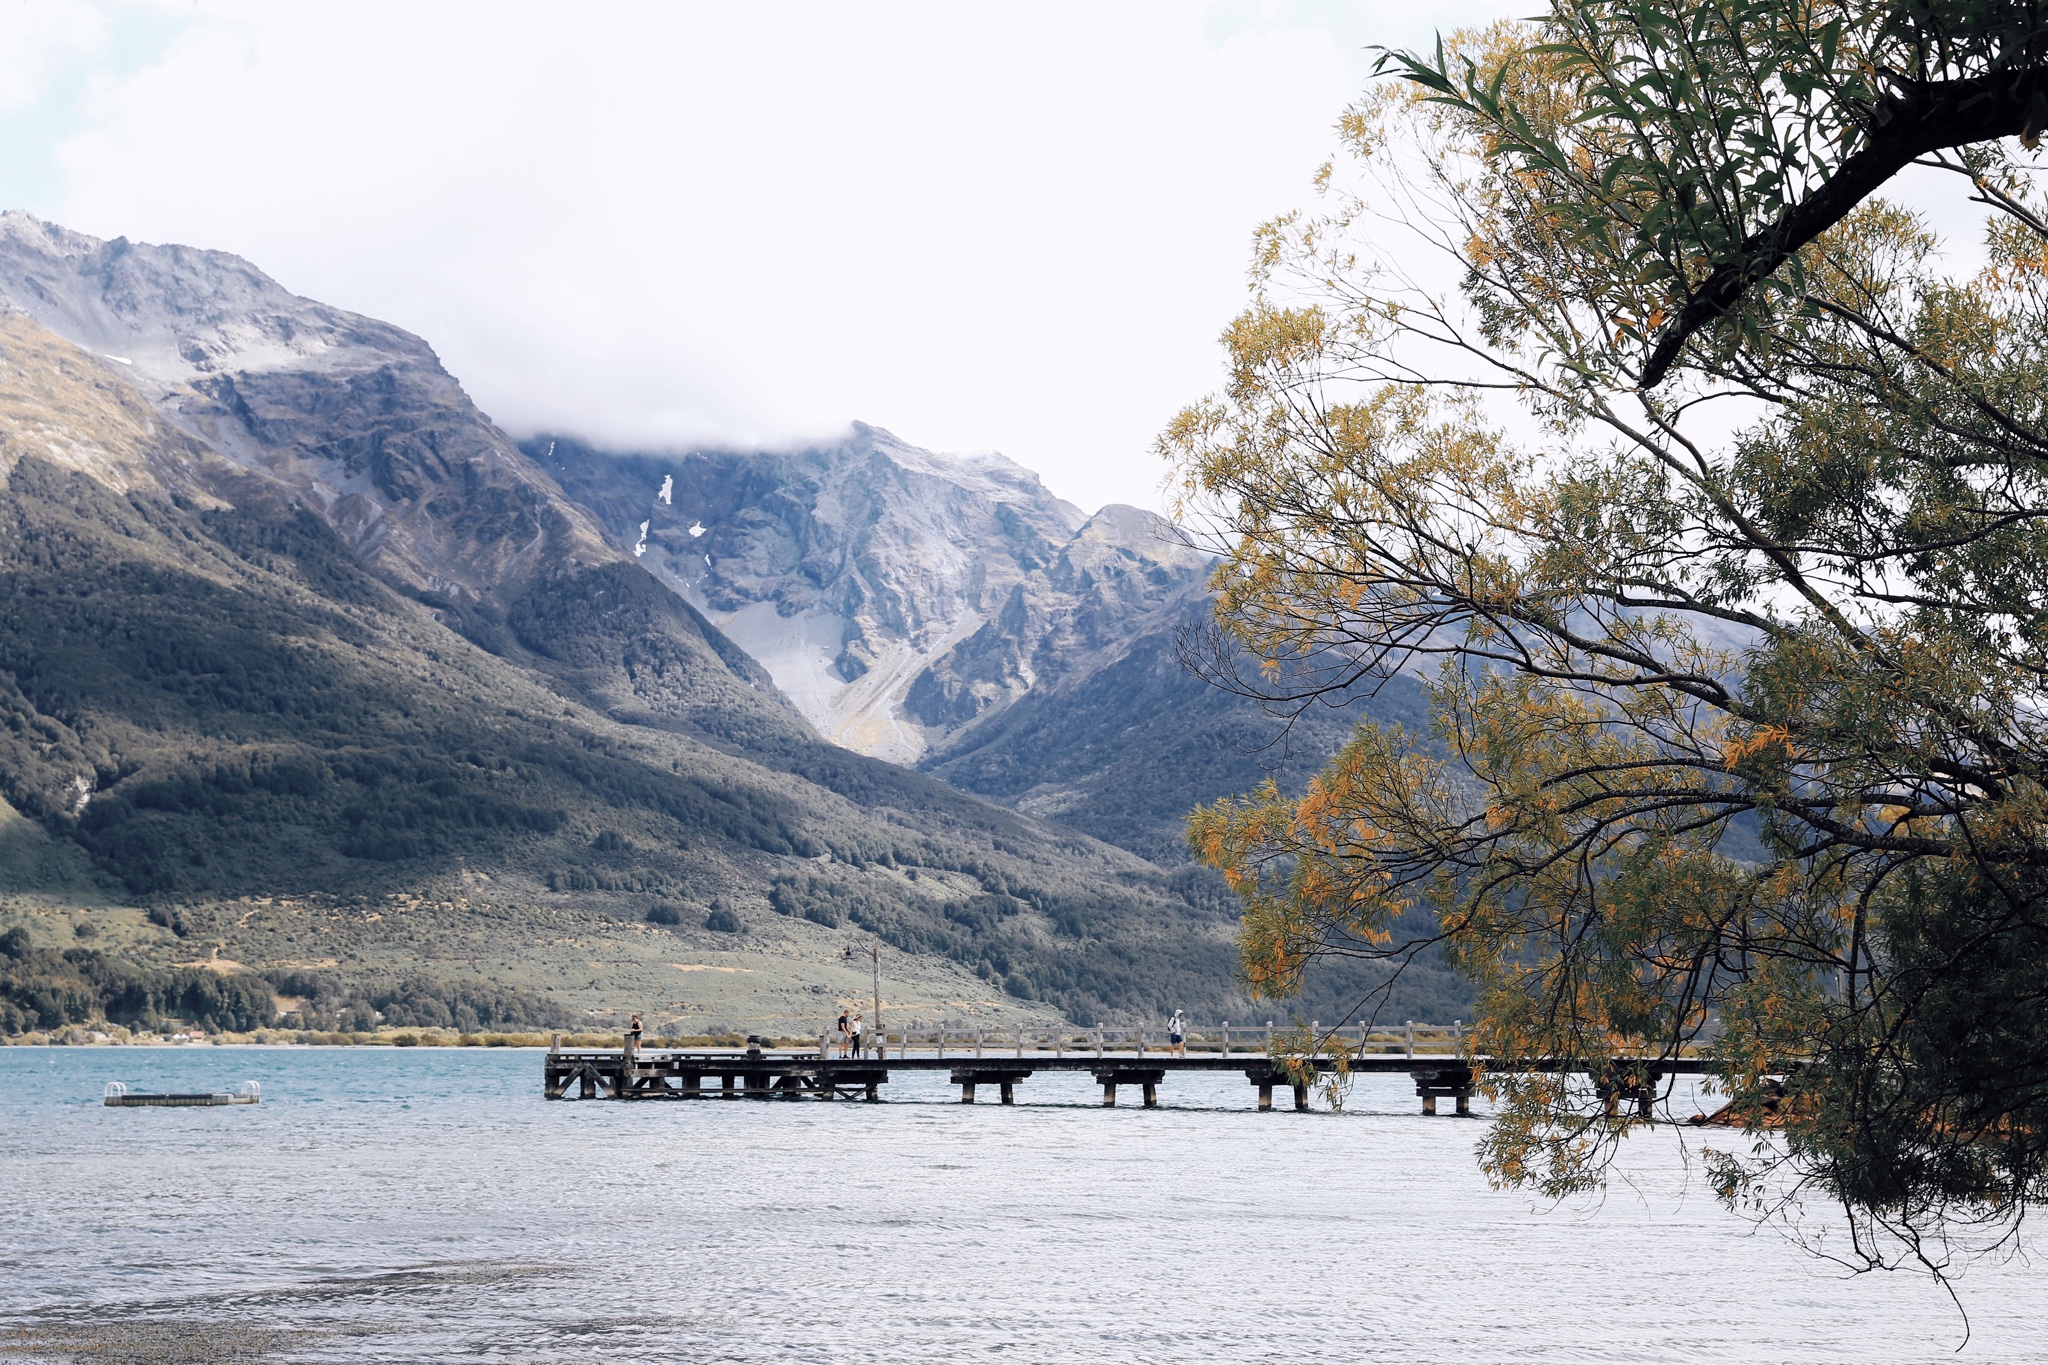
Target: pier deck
[{"x": 757, "y": 1073}]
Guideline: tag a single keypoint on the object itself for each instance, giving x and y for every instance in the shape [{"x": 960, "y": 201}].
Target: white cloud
[{"x": 1016, "y": 229}]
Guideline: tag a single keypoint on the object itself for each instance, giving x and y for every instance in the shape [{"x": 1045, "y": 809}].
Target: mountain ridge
[{"x": 325, "y": 674}]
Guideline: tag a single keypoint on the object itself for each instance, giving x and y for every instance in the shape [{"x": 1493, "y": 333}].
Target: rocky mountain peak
[
  {"x": 898, "y": 596},
  {"x": 354, "y": 416}
]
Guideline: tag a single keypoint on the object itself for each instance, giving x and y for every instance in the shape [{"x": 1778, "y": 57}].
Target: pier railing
[{"x": 1408, "y": 1039}]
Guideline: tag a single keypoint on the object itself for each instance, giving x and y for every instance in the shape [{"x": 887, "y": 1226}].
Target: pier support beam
[
  {"x": 1005, "y": 1078},
  {"x": 1451, "y": 1080},
  {"x": 1628, "y": 1080},
  {"x": 1266, "y": 1097},
  {"x": 1300, "y": 1097},
  {"x": 1146, "y": 1077}
]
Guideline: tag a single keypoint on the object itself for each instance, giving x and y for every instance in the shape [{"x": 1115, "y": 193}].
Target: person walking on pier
[
  {"x": 1177, "y": 1034},
  {"x": 845, "y": 1035},
  {"x": 856, "y": 1038},
  {"x": 633, "y": 1031}
]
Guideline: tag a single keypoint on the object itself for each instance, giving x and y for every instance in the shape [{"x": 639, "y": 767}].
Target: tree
[{"x": 1605, "y": 393}]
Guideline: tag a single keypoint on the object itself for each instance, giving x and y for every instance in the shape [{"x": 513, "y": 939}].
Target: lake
[{"x": 427, "y": 1204}]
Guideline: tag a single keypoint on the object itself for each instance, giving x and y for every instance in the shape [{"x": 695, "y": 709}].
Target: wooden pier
[{"x": 784, "y": 1074}]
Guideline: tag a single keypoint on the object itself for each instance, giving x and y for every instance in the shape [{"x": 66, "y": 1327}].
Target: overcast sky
[{"x": 1014, "y": 228}]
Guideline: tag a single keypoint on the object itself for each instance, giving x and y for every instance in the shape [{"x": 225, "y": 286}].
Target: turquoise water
[{"x": 427, "y": 1204}]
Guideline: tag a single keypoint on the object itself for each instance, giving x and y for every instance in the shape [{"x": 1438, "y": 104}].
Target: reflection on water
[{"x": 427, "y": 1204}]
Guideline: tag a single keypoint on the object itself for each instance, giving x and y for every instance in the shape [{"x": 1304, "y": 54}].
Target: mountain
[
  {"x": 900, "y": 599},
  {"x": 355, "y": 417},
  {"x": 305, "y": 667},
  {"x": 951, "y": 613}
]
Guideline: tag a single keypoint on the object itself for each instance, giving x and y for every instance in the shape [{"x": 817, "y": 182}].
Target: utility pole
[{"x": 881, "y": 1035}]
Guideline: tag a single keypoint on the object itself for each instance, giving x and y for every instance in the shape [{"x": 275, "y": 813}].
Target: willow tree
[{"x": 1605, "y": 392}]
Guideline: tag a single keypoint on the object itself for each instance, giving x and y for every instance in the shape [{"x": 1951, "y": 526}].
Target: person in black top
[
  {"x": 845, "y": 1035},
  {"x": 633, "y": 1038}
]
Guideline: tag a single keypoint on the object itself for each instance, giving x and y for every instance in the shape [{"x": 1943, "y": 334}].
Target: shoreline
[{"x": 84, "y": 1036}]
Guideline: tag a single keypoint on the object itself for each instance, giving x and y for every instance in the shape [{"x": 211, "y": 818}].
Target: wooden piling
[
  {"x": 1266, "y": 1097},
  {"x": 967, "y": 1092},
  {"x": 1300, "y": 1096},
  {"x": 1109, "y": 1094},
  {"x": 1151, "y": 1095}
]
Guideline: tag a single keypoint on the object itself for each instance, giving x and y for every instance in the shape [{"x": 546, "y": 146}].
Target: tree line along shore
[{"x": 105, "y": 1034}]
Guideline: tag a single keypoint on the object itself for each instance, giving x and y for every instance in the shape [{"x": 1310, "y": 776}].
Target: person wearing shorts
[
  {"x": 1177, "y": 1034},
  {"x": 845, "y": 1035}
]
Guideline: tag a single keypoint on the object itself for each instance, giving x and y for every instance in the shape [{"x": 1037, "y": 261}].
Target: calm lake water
[{"x": 428, "y": 1205}]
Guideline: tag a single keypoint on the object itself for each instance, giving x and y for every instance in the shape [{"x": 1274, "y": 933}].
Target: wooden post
[
  {"x": 1151, "y": 1095},
  {"x": 1226, "y": 1037},
  {"x": 555, "y": 1043},
  {"x": 730, "y": 1093},
  {"x": 1269, "y": 1037},
  {"x": 1109, "y": 1094},
  {"x": 1429, "y": 1105},
  {"x": 1265, "y": 1096},
  {"x": 1300, "y": 1096},
  {"x": 942, "y": 1042},
  {"x": 1020, "y": 1040},
  {"x": 1465, "y": 1106},
  {"x": 1411, "y": 1037},
  {"x": 874, "y": 1092},
  {"x": 1009, "y": 1095},
  {"x": 977, "y": 1042},
  {"x": 1141, "y": 1042},
  {"x": 1059, "y": 1043},
  {"x": 967, "y": 1092},
  {"x": 1458, "y": 1033},
  {"x": 1315, "y": 1036},
  {"x": 824, "y": 1046},
  {"x": 1098, "y": 1040}
]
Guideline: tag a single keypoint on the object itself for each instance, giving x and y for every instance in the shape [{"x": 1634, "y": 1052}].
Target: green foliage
[
  {"x": 334, "y": 1004},
  {"x": 45, "y": 989}
]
